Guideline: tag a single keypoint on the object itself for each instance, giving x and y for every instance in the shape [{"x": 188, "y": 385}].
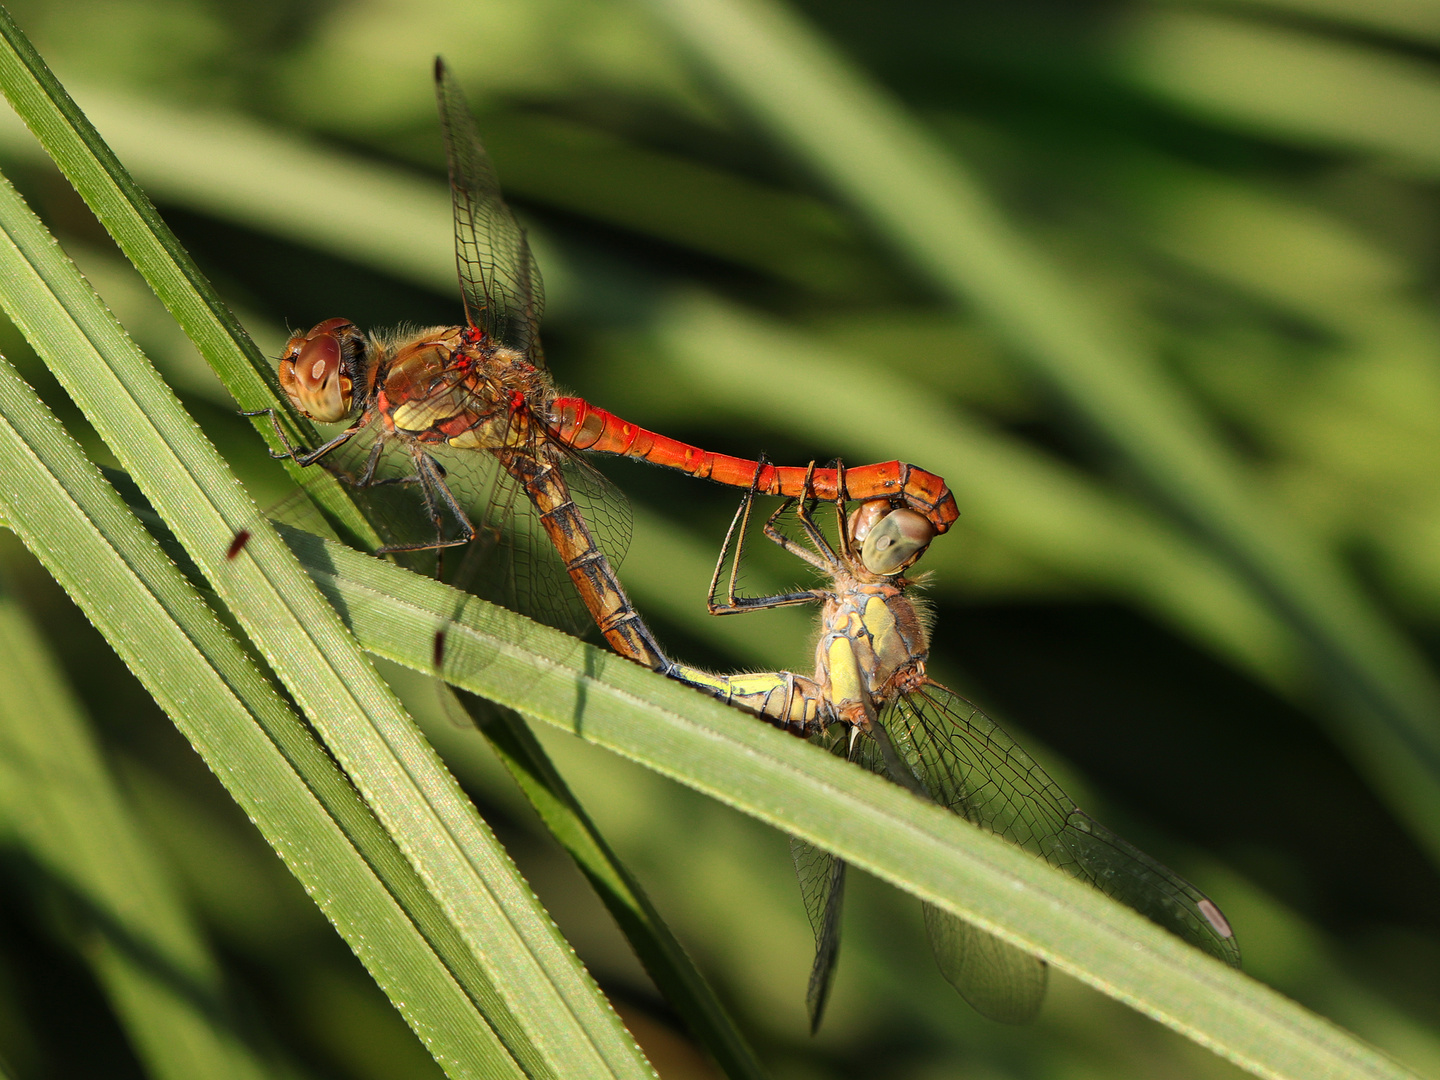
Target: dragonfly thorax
[
  {"x": 450, "y": 385},
  {"x": 877, "y": 626}
]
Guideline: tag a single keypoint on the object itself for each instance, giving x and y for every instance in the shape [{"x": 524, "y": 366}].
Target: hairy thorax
[
  {"x": 444, "y": 386},
  {"x": 880, "y": 626}
]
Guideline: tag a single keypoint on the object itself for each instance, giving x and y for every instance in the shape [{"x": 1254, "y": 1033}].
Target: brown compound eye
[
  {"x": 895, "y": 541},
  {"x": 313, "y": 372},
  {"x": 864, "y": 517}
]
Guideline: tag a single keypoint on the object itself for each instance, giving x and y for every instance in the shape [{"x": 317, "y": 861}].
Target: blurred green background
[{"x": 1247, "y": 190}]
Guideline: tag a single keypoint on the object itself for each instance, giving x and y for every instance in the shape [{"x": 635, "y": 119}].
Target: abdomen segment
[{"x": 583, "y": 426}]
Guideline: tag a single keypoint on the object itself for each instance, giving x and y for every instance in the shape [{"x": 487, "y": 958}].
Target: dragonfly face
[
  {"x": 320, "y": 370},
  {"x": 891, "y": 540}
]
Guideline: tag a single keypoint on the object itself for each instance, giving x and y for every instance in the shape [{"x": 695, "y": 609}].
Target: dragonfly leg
[
  {"x": 289, "y": 451},
  {"x": 372, "y": 460},
  {"x": 842, "y": 525},
  {"x": 735, "y": 537},
  {"x": 763, "y": 603},
  {"x": 309, "y": 457},
  {"x": 805, "y": 514},
  {"x": 303, "y": 458},
  {"x": 436, "y": 491},
  {"x": 742, "y": 521},
  {"x": 823, "y": 558}
]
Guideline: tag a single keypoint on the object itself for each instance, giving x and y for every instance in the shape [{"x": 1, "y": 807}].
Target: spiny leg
[
  {"x": 842, "y": 526},
  {"x": 303, "y": 458},
  {"x": 823, "y": 558},
  {"x": 741, "y": 520},
  {"x": 735, "y": 537},
  {"x": 372, "y": 462},
  {"x": 432, "y": 483}
]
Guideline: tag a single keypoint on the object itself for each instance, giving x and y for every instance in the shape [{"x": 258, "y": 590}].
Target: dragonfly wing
[
  {"x": 510, "y": 559},
  {"x": 603, "y": 506},
  {"x": 513, "y": 560},
  {"x": 998, "y": 980},
  {"x": 1122, "y": 871},
  {"x": 499, "y": 278},
  {"x": 403, "y": 508},
  {"x": 971, "y": 766},
  {"x": 822, "y": 886}
]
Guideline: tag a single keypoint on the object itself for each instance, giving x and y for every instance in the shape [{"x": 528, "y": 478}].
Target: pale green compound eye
[{"x": 895, "y": 542}]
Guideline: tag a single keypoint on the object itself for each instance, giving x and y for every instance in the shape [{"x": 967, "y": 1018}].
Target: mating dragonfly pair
[{"x": 457, "y": 437}]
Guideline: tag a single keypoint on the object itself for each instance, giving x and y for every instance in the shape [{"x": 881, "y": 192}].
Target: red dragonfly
[
  {"x": 420, "y": 406},
  {"x": 870, "y": 700}
]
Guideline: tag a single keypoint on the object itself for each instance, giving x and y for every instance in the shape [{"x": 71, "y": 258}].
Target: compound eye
[
  {"x": 313, "y": 377},
  {"x": 864, "y": 517},
  {"x": 895, "y": 542}
]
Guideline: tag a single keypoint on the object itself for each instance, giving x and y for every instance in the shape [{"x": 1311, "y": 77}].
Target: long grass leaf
[
  {"x": 60, "y": 799},
  {"x": 77, "y": 526},
  {"x": 552, "y": 1013},
  {"x": 664, "y": 958},
  {"x": 871, "y": 823}
]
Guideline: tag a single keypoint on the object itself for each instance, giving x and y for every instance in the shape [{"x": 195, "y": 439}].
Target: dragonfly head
[
  {"x": 890, "y": 539},
  {"x": 319, "y": 369}
]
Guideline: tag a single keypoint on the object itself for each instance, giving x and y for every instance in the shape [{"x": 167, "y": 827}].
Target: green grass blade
[
  {"x": 664, "y": 958},
  {"x": 561, "y": 1023},
  {"x": 106, "y": 186},
  {"x": 873, "y": 824},
  {"x": 58, "y": 796},
  {"x": 939, "y": 218},
  {"x": 76, "y": 524},
  {"x": 1311, "y": 89},
  {"x": 131, "y": 219}
]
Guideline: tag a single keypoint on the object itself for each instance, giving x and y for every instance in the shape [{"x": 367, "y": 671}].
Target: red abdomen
[{"x": 583, "y": 426}]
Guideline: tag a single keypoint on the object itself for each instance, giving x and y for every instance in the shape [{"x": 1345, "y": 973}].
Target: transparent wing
[
  {"x": 970, "y": 765},
  {"x": 822, "y": 888},
  {"x": 385, "y": 479},
  {"x": 997, "y": 979},
  {"x": 499, "y": 278},
  {"x": 822, "y": 885},
  {"x": 603, "y": 506},
  {"x": 511, "y": 559}
]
